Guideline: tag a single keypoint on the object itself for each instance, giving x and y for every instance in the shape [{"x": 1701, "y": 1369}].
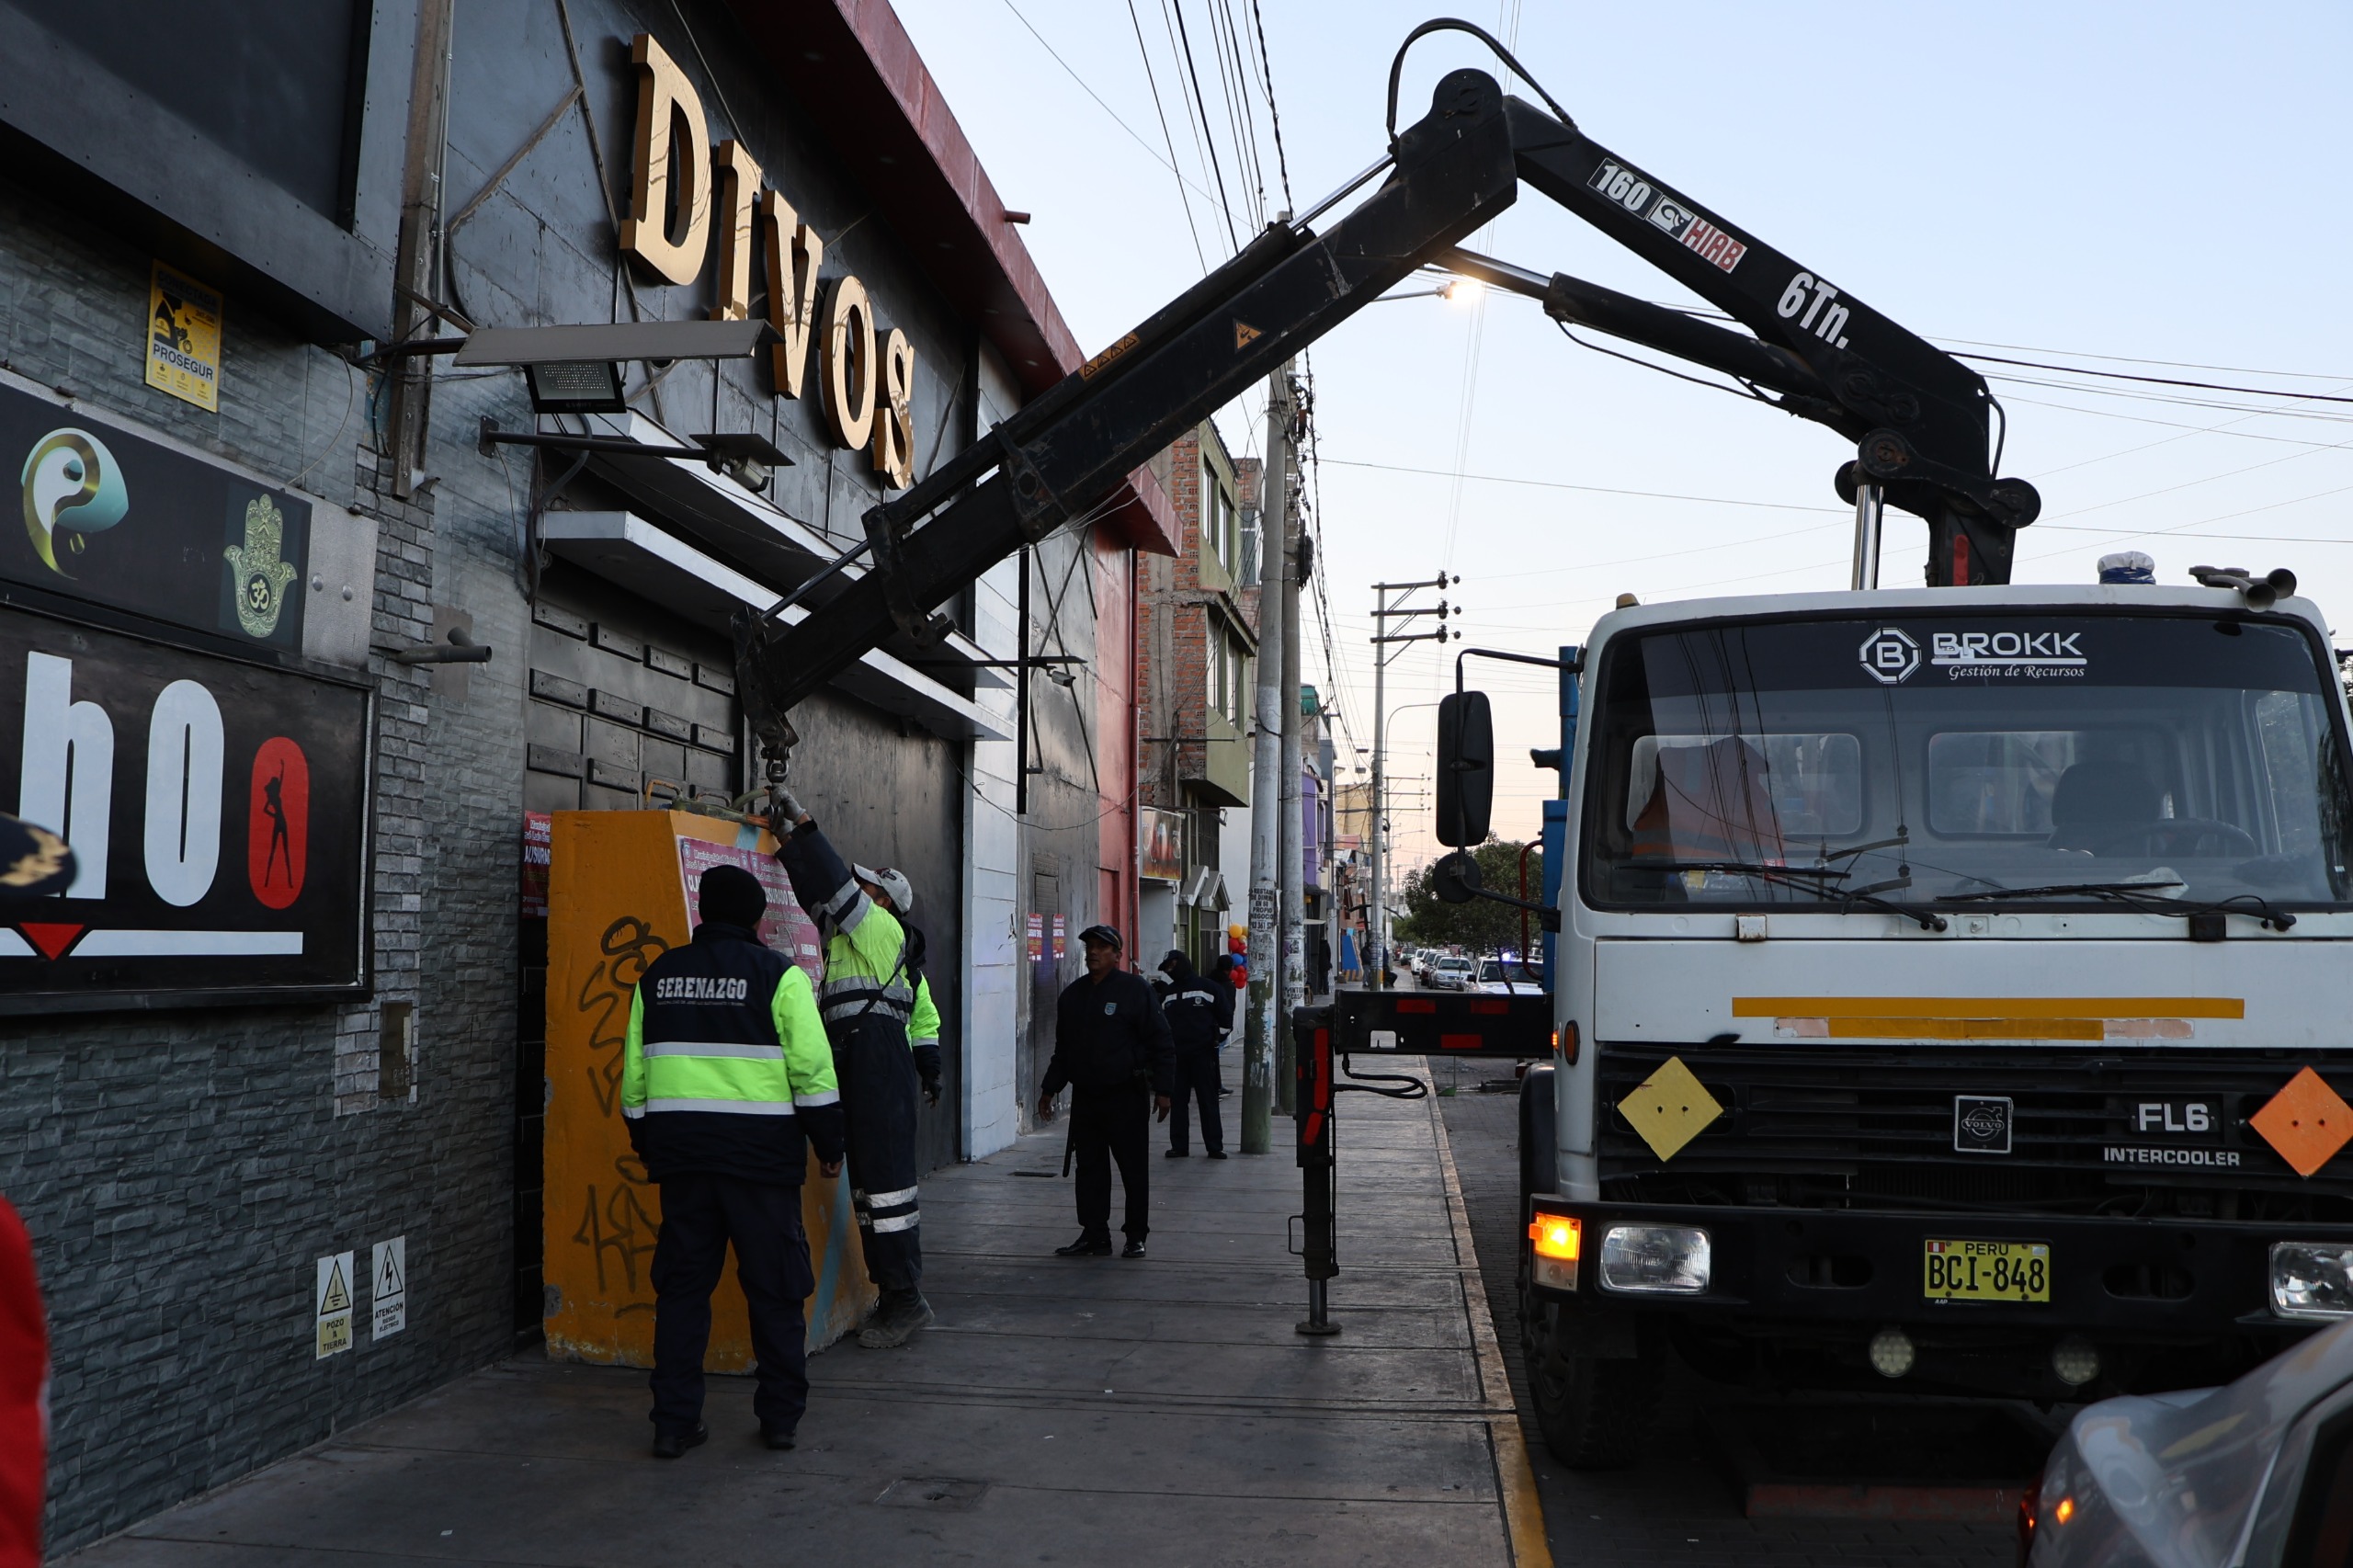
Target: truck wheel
[{"x": 1593, "y": 1412}]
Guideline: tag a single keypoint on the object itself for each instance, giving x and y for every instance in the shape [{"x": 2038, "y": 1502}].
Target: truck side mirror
[{"x": 1466, "y": 768}]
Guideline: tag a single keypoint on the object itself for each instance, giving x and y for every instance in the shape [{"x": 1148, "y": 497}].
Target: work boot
[
  {"x": 777, "y": 1438},
  {"x": 670, "y": 1445},
  {"x": 901, "y": 1314},
  {"x": 1086, "y": 1246}
]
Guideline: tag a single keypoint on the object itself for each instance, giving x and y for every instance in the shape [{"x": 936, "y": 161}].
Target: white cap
[{"x": 893, "y": 883}]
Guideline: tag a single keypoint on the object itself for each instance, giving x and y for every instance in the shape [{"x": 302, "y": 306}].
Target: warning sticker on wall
[
  {"x": 184, "y": 339},
  {"x": 388, "y": 1288},
  {"x": 332, "y": 1301}
]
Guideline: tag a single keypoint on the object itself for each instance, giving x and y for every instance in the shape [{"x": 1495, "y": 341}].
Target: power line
[
  {"x": 2154, "y": 381},
  {"x": 1202, "y": 108},
  {"x": 1105, "y": 107},
  {"x": 1153, "y": 79},
  {"x": 1274, "y": 115},
  {"x": 2128, "y": 360}
]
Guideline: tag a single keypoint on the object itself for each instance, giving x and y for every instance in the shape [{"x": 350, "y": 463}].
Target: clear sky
[{"x": 2146, "y": 182}]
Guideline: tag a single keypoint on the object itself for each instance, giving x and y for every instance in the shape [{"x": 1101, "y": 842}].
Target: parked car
[
  {"x": 1503, "y": 977},
  {"x": 1451, "y": 974},
  {"x": 2260, "y": 1471}
]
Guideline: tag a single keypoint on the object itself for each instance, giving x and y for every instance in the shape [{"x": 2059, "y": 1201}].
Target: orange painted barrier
[{"x": 619, "y": 893}]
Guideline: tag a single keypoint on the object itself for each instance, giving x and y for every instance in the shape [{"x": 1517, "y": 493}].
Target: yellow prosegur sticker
[
  {"x": 1669, "y": 1108},
  {"x": 184, "y": 339}
]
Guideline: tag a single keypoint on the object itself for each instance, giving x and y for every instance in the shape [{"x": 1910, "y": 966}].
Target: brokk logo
[
  {"x": 2010, "y": 655},
  {"x": 1890, "y": 656}
]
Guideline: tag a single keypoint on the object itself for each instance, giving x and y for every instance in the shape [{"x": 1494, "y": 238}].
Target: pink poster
[
  {"x": 784, "y": 927},
  {"x": 538, "y": 832},
  {"x": 1037, "y": 938},
  {"x": 1061, "y": 929}
]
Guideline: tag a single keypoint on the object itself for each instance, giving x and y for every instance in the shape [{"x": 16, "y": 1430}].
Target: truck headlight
[
  {"x": 2311, "y": 1279},
  {"x": 1555, "y": 1239},
  {"x": 1655, "y": 1259}
]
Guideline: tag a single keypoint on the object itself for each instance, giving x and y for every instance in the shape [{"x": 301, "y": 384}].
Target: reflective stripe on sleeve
[
  {"x": 888, "y": 1199},
  {"x": 901, "y": 1222},
  {"x": 919, "y": 1044},
  {"x": 823, "y": 1097},
  {"x": 728, "y": 1107},
  {"x": 715, "y": 1048}
]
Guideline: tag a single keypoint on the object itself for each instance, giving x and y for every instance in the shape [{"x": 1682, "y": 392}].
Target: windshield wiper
[
  {"x": 1734, "y": 868},
  {"x": 1809, "y": 879},
  {"x": 2059, "y": 890},
  {"x": 2129, "y": 895}
]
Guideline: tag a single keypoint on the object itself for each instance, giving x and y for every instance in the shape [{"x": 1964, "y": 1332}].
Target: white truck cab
[{"x": 1954, "y": 991}]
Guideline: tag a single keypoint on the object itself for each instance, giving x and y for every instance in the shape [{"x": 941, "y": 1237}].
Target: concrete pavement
[{"x": 1159, "y": 1411}]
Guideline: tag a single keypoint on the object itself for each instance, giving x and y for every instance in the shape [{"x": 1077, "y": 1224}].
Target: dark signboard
[
  {"x": 122, "y": 521},
  {"x": 217, "y": 814}
]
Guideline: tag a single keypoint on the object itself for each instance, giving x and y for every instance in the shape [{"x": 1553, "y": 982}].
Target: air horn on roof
[{"x": 2261, "y": 592}]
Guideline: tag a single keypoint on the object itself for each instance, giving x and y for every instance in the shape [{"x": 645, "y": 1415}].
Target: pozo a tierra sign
[{"x": 864, "y": 374}]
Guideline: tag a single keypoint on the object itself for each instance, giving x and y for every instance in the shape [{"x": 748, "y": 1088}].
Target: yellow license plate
[{"x": 1987, "y": 1271}]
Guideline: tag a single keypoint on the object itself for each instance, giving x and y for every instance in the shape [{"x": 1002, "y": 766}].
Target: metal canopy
[{"x": 617, "y": 340}]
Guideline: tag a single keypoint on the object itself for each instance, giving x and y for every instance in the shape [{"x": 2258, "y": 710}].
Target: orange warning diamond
[{"x": 2307, "y": 1121}]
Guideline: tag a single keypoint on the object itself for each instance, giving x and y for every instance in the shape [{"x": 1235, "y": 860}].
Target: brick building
[
  {"x": 289, "y": 1018},
  {"x": 1197, "y": 617}
]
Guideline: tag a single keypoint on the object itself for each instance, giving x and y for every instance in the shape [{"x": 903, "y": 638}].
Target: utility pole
[
  {"x": 1266, "y": 782},
  {"x": 1291, "y": 980},
  {"x": 1375, "y": 936}
]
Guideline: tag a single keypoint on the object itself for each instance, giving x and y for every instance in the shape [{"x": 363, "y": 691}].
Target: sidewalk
[{"x": 1074, "y": 1411}]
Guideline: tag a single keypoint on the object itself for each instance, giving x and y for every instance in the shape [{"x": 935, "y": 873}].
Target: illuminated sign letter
[
  {"x": 894, "y": 424},
  {"x": 794, "y": 252},
  {"x": 848, "y": 364},
  {"x": 739, "y": 195},
  {"x": 667, "y": 106}
]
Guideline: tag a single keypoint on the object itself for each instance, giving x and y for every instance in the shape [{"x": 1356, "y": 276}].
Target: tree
[{"x": 1482, "y": 926}]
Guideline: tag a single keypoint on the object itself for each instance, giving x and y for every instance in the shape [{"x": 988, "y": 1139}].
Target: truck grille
[{"x": 1876, "y": 1127}]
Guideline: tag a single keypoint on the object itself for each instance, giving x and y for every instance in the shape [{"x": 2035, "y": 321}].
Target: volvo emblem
[{"x": 1980, "y": 1124}]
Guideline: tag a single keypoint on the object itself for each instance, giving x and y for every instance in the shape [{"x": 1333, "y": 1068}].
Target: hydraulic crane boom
[{"x": 1919, "y": 417}]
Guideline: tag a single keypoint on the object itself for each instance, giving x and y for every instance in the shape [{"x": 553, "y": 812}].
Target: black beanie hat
[{"x": 732, "y": 896}]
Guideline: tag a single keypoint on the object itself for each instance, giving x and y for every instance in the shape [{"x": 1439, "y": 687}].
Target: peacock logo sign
[{"x": 73, "y": 488}]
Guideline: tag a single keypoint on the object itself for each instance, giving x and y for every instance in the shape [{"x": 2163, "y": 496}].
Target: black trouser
[
  {"x": 1107, "y": 1124},
  {"x": 877, "y": 1073},
  {"x": 700, "y": 1215},
  {"x": 1197, "y": 1079}
]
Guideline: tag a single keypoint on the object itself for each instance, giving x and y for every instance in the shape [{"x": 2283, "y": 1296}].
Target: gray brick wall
[{"x": 180, "y": 1172}]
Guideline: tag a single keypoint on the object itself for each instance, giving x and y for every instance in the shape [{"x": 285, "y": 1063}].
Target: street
[{"x": 1673, "y": 1505}]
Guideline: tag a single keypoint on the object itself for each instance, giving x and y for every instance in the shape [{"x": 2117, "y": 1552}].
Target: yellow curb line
[{"x": 1515, "y": 1481}]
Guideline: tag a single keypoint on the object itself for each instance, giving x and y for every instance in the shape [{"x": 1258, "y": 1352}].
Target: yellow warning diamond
[{"x": 1669, "y": 1108}]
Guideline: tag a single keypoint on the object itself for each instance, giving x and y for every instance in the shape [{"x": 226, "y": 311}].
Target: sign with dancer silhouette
[{"x": 217, "y": 808}]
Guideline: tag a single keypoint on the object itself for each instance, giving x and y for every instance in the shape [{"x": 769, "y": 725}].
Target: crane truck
[{"x": 1946, "y": 983}]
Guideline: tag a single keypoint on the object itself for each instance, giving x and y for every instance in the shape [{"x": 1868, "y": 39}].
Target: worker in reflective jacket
[
  {"x": 885, "y": 1037},
  {"x": 727, "y": 1086}
]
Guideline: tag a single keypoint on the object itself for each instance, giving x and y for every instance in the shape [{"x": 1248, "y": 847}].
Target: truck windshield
[{"x": 1958, "y": 754}]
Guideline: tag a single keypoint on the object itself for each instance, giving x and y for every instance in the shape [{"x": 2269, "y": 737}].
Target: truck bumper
[{"x": 1838, "y": 1271}]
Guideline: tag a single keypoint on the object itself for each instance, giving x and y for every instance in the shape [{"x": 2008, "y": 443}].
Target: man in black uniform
[
  {"x": 1195, "y": 1024},
  {"x": 726, "y": 1085},
  {"x": 1111, "y": 1045}
]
